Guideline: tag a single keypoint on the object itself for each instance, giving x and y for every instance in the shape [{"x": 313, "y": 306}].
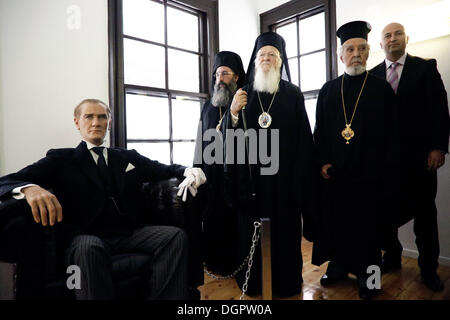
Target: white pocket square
[{"x": 129, "y": 167}]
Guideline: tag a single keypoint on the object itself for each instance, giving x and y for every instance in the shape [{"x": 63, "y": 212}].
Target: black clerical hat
[
  {"x": 354, "y": 29},
  {"x": 231, "y": 60},
  {"x": 269, "y": 39}
]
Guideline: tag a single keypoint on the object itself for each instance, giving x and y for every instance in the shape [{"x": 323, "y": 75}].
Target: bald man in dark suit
[{"x": 424, "y": 132}]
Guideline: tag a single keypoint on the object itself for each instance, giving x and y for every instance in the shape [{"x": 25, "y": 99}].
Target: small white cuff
[{"x": 17, "y": 192}]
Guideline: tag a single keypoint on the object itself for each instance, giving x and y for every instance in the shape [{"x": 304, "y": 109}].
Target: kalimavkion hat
[
  {"x": 354, "y": 29},
  {"x": 269, "y": 39},
  {"x": 231, "y": 60}
]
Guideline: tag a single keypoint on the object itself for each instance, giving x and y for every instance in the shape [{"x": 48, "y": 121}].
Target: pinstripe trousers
[{"x": 166, "y": 245}]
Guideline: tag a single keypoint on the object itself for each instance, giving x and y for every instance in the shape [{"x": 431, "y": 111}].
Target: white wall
[
  {"x": 238, "y": 27},
  {"x": 239, "y": 24},
  {"x": 45, "y": 70}
]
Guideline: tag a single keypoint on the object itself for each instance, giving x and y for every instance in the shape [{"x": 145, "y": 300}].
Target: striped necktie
[{"x": 392, "y": 76}]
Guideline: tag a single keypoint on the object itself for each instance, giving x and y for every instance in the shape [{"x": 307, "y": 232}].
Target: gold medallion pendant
[
  {"x": 265, "y": 120},
  {"x": 347, "y": 133}
]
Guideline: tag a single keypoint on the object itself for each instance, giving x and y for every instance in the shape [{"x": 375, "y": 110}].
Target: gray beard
[
  {"x": 355, "y": 71},
  {"x": 222, "y": 97},
  {"x": 267, "y": 81}
]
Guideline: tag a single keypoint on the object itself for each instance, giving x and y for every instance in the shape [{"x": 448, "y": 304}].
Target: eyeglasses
[
  {"x": 268, "y": 54},
  {"x": 223, "y": 74}
]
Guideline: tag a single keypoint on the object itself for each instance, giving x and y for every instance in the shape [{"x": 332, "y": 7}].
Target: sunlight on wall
[{"x": 422, "y": 23}]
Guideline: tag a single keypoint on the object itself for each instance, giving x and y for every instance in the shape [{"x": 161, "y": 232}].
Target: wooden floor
[{"x": 404, "y": 284}]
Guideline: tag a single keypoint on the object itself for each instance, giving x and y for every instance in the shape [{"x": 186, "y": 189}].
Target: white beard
[
  {"x": 267, "y": 81},
  {"x": 355, "y": 70}
]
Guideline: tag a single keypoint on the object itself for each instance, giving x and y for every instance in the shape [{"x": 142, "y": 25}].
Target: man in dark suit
[
  {"x": 424, "y": 133},
  {"x": 98, "y": 192}
]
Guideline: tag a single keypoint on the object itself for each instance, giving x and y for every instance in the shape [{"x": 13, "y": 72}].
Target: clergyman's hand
[
  {"x": 239, "y": 102},
  {"x": 436, "y": 159},
  {"x": 44, "y": 205}
]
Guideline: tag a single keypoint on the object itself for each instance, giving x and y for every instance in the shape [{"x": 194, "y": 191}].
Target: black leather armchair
[{"x": 163, "y": 207}]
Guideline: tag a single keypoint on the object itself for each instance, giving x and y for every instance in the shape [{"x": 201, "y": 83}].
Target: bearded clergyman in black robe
[
  {"x": 356, "y": 142},
  {"x": 273, "y": 178},
  {"x": 219, "y": 224}
]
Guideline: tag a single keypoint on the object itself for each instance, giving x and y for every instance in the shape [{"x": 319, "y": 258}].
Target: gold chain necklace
[
  {"x": 265, "y": 119},
  {"x": 348, "y": 133},
  {"x": 220, "y": 121}
]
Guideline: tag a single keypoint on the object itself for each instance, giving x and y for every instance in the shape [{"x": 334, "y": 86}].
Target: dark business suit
[
  {"x": 423, "y": 127},
  {"x": 95, "y": 226}
]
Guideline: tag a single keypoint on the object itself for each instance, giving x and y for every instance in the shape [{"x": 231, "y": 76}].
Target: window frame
[
  {"x": 295, "y": 11},
  {"x": 291, "y": 11},
  {"x": 208, "y": 46}
]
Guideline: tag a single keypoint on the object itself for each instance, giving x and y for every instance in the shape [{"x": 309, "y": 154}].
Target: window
[
  {"x": 308, "y": 28},
  {"x": 159, "y": 65}
]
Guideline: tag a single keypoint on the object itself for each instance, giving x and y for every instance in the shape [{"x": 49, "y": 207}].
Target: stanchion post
[{"x": 266, "y": 259}]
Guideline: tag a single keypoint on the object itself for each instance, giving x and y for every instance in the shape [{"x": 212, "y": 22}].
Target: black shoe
[
  {"x": 364, "y": 292},
  {"x": 389, "y": 263},
  {"x": 433, "y": 282},
  {"x": 367, "y": 294},
  {"x": 194, "y": 294},
  {"x": 327, "y": 280}
]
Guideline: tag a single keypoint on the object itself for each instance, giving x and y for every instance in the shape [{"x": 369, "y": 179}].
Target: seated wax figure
[{"x": 97, "y": 198}]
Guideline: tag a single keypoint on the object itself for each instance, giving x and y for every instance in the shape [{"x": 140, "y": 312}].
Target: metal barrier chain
[
  {"x": 255, "y": 239},
  {"x": 247, "y": 261},
  {"x": 230, "y": 276},
  {"x": 216, "y": 276}
]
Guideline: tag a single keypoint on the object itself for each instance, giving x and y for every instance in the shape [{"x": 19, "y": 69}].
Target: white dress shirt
[
  {"x": 94, "y": 155},
  {"x": 401, "y": 64}
]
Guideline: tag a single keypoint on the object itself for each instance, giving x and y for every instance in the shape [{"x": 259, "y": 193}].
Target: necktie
[
  {"x": 103, "y": 168},
  {"x": 392, "y": 76},
  {"x": 111, "y": 204}
]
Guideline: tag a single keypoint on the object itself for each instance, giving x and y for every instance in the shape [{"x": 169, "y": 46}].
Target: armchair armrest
[
  {"x": 16, "y": 220},
  {"x": 165, "y": 206},
  {"x": 9, "y": 208}
]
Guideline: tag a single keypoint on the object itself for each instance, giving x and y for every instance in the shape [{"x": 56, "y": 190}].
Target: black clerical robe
[
  {"x": 219, "y": 221},
  {"x": 353, "y": 202},
  {"x": 283, "y": 196}
]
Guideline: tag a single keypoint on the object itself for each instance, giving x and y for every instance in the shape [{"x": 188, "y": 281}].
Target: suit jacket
[
  {"x": 74, "y": 179},
  {"x": 423, "y": 109}
]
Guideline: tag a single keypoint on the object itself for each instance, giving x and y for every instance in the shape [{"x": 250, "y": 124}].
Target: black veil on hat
[
  {"x": 353, "y": 29},
  {"x": 231, "y": 60},
  {"x": 269, "y": 39}
]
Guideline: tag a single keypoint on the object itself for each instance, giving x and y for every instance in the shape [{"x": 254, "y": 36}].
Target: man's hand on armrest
[{"x": 44, "y": 205}]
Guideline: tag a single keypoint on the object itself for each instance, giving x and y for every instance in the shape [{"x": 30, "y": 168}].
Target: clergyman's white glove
[{"x": 194, "y": 178}]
